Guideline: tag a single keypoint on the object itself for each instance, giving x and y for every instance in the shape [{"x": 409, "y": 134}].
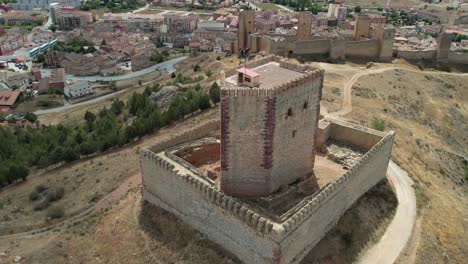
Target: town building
[
  {"x": 67, "y": 18},
  {"x": 57, "y": 78},
  {"x": 41, "y": 4},
  {"x": 10, "y": 42},
  {"x": 25, "y": 17},
  {"x": 8, "y": 99},
  {"x": 78, "y": 89},
  {"x": 177, "y": 23}
]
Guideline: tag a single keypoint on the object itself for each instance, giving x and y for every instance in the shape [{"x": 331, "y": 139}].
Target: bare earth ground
[
  {"x": 105, "y": 222},
  {"x": 429, "y": 113}
]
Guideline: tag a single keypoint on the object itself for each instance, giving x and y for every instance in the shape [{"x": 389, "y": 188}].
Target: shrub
[
  {"x": 41, "y": 205},
  {"x": 55, "y": 194},
  {"x": 40, "y": 188},
  {"x": 378, "y": 124},
  {"x": 55, "y": 212},
  {"x": 33, "y": 196}
]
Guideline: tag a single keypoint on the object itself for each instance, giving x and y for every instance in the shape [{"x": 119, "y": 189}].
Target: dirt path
[
  {"x": 397, "y": 236},
  {"x": 392, "y": 243},
  {"x": 347, "y": 105}
]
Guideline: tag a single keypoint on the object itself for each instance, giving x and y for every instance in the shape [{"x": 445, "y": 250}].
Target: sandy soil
[{"x": 428, "y": 110}]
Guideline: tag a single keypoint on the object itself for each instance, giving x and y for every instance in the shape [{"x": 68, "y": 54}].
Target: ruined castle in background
[
  {"x": 262, "y": 189},
  {"x": 374, "y": 42}
]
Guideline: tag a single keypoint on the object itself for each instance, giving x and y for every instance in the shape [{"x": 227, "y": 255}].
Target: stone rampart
[
  {"x": 417, "y": 54},
  {"x": 242, "y": 228},
  {"x": 363, "y": 49},
  {"x": 307, "y": 226},
  {"x": 458, "y": 58}
]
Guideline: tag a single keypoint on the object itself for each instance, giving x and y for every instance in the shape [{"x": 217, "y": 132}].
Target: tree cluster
[
  {"x": 77, "y": 45},
  {"x": 121, "y": 123},
  {"x": 116, "y": 6}
]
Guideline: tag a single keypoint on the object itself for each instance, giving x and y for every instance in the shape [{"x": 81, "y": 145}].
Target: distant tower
[
  {"x": 304, "y": 27},
  {"x": 386, "y": 37},
  {"x": 246, "y": 27},
  {"x": 362, "y": 27},
  {"x": 268, "y": 127},
  {"x": 54, "y": 10},
  {"x": 444, "y": 43}
]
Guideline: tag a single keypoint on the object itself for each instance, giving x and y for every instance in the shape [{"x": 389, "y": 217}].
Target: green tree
[
  {"x": 91, "y": 49},
  {"x": 209, "y": 73},
  {"x": 31, "y": 117},
  {"x": 140, "y": 82},
  {"x": 215, "y": 93},
  {"x": 18, "y": 171},
  {"x": 357, "y": 9},
  {"x": 103, "y": 42},
  {"x": 113, "y": 85},
  {"x": 53, "y": 28},
  {"x": 90, "y": 117},
  {"x": 196, "y": 68},
  {"x": 204, "y": 102}
]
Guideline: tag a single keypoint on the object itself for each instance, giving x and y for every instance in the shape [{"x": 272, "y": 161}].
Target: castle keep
[
  {"x": 264, "y": 128},
  {"x": 264, "y": 189}
]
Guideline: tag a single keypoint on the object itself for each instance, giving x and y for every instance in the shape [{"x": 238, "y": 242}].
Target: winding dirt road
[{"x": 393, "y": 242}]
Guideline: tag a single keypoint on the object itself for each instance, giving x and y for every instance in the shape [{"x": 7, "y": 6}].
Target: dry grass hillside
[{"x": 429, "y": 112}]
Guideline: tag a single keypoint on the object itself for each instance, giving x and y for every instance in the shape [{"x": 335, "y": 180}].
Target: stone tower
[
  {"x": 246, "y": 27},
  {"x": 304, "y": 26},
  {"x": 386, "y": 37},
  {"x": 362, "y": 27},
  {"x": 269, "y": 118},
  {"x": 444, "y": 42}
]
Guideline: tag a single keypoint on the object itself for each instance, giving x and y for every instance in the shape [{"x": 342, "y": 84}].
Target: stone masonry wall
[
  {"x": 241, "y": 229},
  {"x": 363, "y": 49},
  {"x": 221, "y": 218},
  {"x": 291, "y": 160},
  {"x": 310, "y": 224},
  {"x": 261, "y": 150},
  {"x": 417, "y": 54}
]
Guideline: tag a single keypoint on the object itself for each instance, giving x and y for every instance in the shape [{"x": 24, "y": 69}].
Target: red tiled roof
[
  {"x": 248, "y": 72},
  {"x": 8, "y": 97}
]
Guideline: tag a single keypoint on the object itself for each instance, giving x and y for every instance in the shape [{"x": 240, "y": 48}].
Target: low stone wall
[
  {"x": 255, "y": 63},
  {"x": 310, "y": 224}
]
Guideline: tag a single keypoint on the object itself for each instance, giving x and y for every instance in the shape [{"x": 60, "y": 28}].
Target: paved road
[
  {"x": 170, "y": 67},
  {"x": 71, "y": 106},
  {"x": 392, "y": 243},
  {"x": 166, "y": 65}
]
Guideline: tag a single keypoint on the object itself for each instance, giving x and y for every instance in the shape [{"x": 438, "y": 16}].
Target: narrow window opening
[
  {"x": 290, "y": 113},
  {"x": 306, "y": 105},
  {"x": 294, "y": 133}
]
